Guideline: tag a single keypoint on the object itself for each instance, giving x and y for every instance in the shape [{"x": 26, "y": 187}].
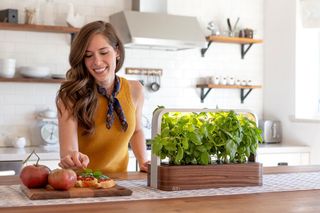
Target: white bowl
[{"x": 34, "y": 71}]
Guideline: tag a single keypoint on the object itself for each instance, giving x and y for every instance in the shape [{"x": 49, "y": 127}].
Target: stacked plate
[{"x": 34, "y": 71}]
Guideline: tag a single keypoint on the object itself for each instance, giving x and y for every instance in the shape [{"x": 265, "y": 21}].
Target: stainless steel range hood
[{"x": 159, "y": 31}]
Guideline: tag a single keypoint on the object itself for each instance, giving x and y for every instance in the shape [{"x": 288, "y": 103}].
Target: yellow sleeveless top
[{"x": 106, "y": 148}]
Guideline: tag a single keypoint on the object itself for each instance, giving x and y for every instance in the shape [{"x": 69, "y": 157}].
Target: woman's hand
[
  {"x": 144, "y": 167},
  {"x": 74, "y": 160}
]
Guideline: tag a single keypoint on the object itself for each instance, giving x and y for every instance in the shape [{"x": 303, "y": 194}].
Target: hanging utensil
[{"x": 155, "y": 86}]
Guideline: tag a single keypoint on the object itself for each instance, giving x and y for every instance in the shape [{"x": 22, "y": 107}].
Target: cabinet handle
[
  {"x": 7, "y": 173},
  {"x": 283, "y": 164}
]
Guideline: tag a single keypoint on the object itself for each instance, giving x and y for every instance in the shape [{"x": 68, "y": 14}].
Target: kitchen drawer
[
  {"x": 281, "y": 154},
  {"x": 290, "y": 159},
  {"x": 10, "y": 168}
]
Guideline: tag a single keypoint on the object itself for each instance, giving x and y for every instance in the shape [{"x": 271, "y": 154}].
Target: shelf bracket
[
  {"x": 203, "y": 94},
  {"x": 244, "y": 96},
  {"x": 73, "y": 35},
  {"x": 244, "y": 51},
  {"x": 204, "y": 50}
]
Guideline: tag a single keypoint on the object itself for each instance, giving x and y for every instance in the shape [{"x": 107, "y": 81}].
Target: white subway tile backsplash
[{"x": 182, "y": 70}]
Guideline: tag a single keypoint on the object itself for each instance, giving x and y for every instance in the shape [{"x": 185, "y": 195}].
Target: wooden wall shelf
[
  {"x": 38, "y": 28},
  {"x": 31, "y": 80},
  {"x": 245, "y": 43},
  {"x": 243, "y": 95}
]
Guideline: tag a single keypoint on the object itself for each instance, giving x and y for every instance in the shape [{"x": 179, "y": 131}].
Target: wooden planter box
[{"x": 173, "y": 178}]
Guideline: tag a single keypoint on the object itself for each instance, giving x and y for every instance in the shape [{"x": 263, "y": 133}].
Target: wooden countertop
[{"x": 301, "y": 201}]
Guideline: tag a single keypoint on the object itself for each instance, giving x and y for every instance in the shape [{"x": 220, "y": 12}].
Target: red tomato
[
  {"x": 34, "y": 176},
  {"x": 62, "y": 179}
]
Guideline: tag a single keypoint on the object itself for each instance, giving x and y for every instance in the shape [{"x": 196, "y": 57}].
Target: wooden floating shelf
[
  {"x": 243, "y": 95},
  {"x": 31, "y": 80},
  {"x": 227, "y": 86},
  {"x": 233, "y": 40},
  {"x": 38, "y": 28}
]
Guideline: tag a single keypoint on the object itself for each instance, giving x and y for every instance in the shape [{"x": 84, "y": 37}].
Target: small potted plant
[{"x": 213, "y": 148}]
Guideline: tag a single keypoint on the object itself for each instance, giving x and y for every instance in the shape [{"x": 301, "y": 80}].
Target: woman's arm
[
  {"x": 138, "y": 142},
  {"x": 70, "y": 157}
]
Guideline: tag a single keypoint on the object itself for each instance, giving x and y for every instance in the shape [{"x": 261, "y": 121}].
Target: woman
[{"x": 99, "y": 112}]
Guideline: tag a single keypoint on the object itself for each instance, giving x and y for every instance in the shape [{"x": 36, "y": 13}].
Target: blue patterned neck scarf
[{"x": 114, "y": 105}]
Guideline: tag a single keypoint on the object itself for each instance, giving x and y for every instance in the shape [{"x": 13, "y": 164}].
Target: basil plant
[{"x": 206, "y": 138}]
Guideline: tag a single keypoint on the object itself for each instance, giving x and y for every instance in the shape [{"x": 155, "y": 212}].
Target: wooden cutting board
[{"x": 50, "y": 193}]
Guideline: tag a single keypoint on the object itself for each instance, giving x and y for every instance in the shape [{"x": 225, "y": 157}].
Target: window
[{"x": 307, "y": 81}]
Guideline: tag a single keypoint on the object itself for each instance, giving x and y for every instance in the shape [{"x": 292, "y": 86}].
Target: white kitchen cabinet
[
  {"x": 277, "y": 154},
  {"x": 133, "y": 163}
]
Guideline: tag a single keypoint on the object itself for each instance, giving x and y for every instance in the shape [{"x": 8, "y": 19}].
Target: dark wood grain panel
[{"x": 209, "y": 176}]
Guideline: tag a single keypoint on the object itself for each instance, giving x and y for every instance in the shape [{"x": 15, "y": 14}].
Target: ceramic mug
[
  {"x": 243, "y": 83},
  {"x": 230, "y": 81},
  {"x": 223, "y": 81}
]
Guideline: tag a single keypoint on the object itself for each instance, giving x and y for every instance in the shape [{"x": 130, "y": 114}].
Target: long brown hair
[{"x": 78, "y": 93}]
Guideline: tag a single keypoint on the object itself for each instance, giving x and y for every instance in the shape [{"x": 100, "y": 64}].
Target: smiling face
[{"x": 100, "y": 60}]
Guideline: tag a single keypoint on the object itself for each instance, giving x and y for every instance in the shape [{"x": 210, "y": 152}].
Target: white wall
[
  {"x": 279, "y": 76},
  {"x": 181, "y": 70}
]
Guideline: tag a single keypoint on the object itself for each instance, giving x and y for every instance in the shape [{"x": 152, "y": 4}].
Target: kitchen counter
[
  {"x": 268, "y": 154},
  {"x": 18, "y": 154},
  {"x": 286, "y": 201},
  {"x": 52, "y": 153}
]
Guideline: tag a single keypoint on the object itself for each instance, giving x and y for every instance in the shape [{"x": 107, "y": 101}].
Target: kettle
[{"x": 271, "y": 131}]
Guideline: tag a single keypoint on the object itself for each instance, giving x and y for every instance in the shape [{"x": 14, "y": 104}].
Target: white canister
[
  {"x": 230, "y": 80},
  {"x": 19, "y": 142},
  {"x": 7, "y": 67}
]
